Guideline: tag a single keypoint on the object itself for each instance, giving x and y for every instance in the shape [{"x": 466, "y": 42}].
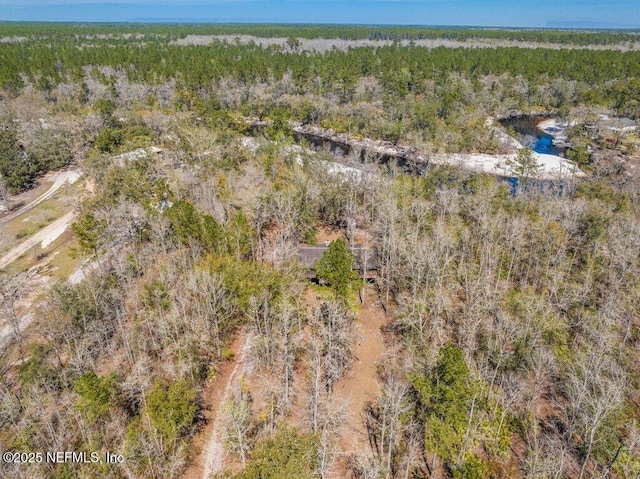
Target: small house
[{"x": 366, "y": 259}]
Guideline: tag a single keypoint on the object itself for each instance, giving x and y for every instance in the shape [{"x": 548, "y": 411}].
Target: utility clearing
[{"x": 360, "y": 386}]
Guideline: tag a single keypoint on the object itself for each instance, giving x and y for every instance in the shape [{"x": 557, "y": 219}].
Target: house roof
[
  {"x": 364, "y": 257},
  {"x": 618, "y": 123}
]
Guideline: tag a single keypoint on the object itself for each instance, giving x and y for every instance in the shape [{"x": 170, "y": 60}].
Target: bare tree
[
  {"x": 210, "y": 307},
  {"x": 595, "y": 387},
  {"x": 263, "y": 323},
  {"x": 384, "y": 421},
  {"x": 12, "y": 290},
  {"x": 288, "y": 331},
  {"x": 333, "y": 325},
  {"x": 316, "y": 390},
  {"x": 239, "y": 426}
]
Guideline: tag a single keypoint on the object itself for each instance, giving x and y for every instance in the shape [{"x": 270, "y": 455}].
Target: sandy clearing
[
  {"x": 53, "y": 235},
  {"x": 328, "y": 44},
  {"x": 551, "y": 167},
  {"x": 556, "y": 128},
  {"x": 82, "y": 272},
  {"x": 502, "y": 135},
  {"x": 47, "y": 234}
]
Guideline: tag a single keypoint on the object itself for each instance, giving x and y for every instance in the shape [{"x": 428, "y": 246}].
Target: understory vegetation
[{"x": 513, "y": 329}]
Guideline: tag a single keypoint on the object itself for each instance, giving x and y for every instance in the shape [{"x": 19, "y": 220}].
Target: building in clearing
[
  {"x": 366, "y": 259},
  {"x": 617, "y": 125}
]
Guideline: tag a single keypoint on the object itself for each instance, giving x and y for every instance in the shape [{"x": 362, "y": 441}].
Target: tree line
[{"x": 350, "y": 32}]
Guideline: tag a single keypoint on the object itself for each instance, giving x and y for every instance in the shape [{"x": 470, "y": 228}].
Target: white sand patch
[
  {"x": 249, "y": 143},
  {"x": 53, "y": 234},
  {"x": 72, "y": 177},
  {"x": 343, "y": 170},
  {"x": 556, "y": 128},
  {"x": 133, "y": 155},
  {"x": 64, "y": 177},
  {"x": 503, "y": 136},
  {"x": 551, "y": 167},
  {"x": 83, "y": 271}
]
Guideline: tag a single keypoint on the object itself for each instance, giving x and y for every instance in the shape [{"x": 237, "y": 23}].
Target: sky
[{"x": 499, "y": 13}]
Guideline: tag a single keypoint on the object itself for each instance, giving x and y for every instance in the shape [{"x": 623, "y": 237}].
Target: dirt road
[
  {"x": 211, "y": 441},
  {"x": 361, "y": 383},
  {"x": 44, "y": 236},
  {"x": 61, "y": 178}
]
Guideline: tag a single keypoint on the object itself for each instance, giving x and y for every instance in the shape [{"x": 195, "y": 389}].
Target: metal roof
[{"x": 364, "y": 257}]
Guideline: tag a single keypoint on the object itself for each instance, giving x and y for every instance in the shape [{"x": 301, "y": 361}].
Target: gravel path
[
  {"x": 214, "y": 448},
  {"x": 62, "y": 178},
  {"x": 44, "y": 236}
]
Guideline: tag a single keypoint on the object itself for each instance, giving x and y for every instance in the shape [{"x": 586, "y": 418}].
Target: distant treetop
[{"x": 348, "y": 32}]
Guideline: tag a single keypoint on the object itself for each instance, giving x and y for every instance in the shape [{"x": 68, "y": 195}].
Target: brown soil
[
  {"x": 355, "y": 390},
  {"x": 90, "y": 185},
  {"x": 327, "y": 234},
  {"x": 211, "y": 403},
  {"x": 361, "y": 385}
]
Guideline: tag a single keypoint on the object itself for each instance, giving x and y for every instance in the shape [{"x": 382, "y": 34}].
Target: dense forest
[
  {"x": 497, "y": 335},
  {"x": 434, "y": 99},
  {"x": 346, "y": 32}
]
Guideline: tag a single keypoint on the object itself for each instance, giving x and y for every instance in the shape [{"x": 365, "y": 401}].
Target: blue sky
[{"x": 516, "y": 13}]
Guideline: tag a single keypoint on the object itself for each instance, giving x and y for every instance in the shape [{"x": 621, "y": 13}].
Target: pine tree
[{"x": 335, "y": 267}]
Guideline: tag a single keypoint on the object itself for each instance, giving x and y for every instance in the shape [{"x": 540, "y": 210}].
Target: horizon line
[{"x": 186, "y": 22}]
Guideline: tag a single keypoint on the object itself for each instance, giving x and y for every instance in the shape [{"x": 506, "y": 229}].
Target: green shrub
[
  {"x": 288, "y": 455},
  {"x": 97, "y": 394},
  {"x": 172, "y": 409}
]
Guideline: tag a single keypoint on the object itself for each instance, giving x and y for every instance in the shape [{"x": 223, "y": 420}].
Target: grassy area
[
  {"x": 56, "y": 260},
  {"x": 327, "y": 294},
  {"x": 62, "y": 262},
  {"x": 29, "y": 223}
]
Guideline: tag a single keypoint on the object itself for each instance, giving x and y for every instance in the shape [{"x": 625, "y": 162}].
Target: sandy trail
[
  {"x": 62, "y": 178},
  {"x": 361, "y": 384},
  {"x": 44, "y": 236},
  {"x": 211, "y": 458},
  {"x": 214, "y": 452}
]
